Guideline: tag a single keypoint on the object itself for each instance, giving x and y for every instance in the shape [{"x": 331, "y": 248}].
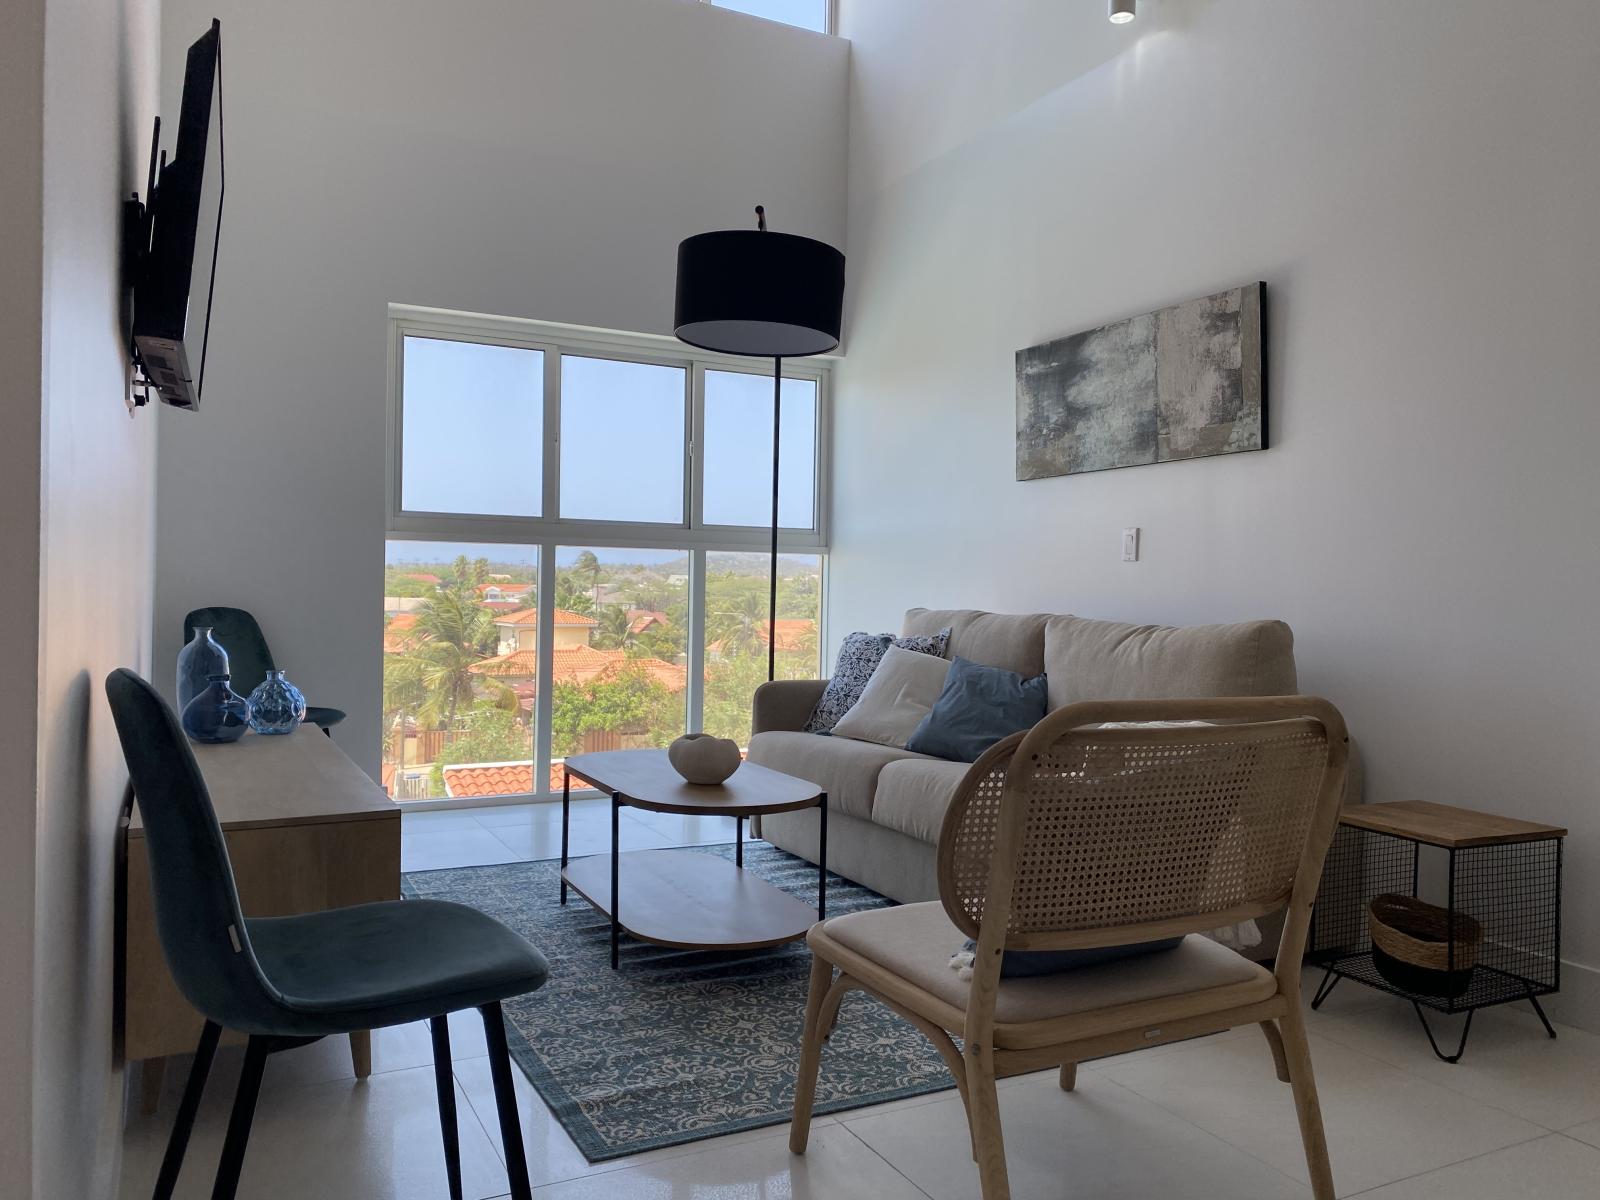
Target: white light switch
[{"x": 1130, "y": 544}]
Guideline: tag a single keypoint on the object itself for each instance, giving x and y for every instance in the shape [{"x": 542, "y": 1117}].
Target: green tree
[
  {"x": 434, "y": 679},
  {"x": 466, "y": 574},
  {"x": 736, "y": 619},
  {"x": 730, "y": 686},
  {"x": 632, "y": 701},
  {"x": 615, "y": 631},
  {"x": 587, "y": 566},
  {"x": 652, "y": 593},
  {"x": 397, "y": 582},
  {"x": 571, "y": 596},
  {"x": 660, "y": 641}
]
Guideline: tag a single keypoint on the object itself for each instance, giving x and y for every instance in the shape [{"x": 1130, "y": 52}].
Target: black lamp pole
[
  {"x": 760, "y": 294},
  {"x": 772, "y": 579}
]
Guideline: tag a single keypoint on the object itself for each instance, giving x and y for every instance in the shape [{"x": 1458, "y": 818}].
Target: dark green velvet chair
[
  {"x": 287, "y": 981},
  {"x": 249, "y": 656}
]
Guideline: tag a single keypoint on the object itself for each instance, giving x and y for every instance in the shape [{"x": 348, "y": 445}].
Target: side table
[{"x": 1503, "y": 873}]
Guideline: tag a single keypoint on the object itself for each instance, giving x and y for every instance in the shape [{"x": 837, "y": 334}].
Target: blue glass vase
[
  {"x": 218, "y": 714},
  {"x": 202, "y": 658},
  {"x": 276, "y": 706}
]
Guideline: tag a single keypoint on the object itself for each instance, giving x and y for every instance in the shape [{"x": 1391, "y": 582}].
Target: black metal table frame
[
  {"x": 618, "y": 800},
  {"x": 1530, "y": 992}
]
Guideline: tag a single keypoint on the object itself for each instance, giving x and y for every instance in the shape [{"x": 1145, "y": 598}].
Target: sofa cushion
[
  {"x": 978, "y": 706},
  {"x": 1107, "y": 660},
  {"x": 1015, "y": 643},
  {"x": 847, "y": 770},
  {"x": 897, "y": 698},
  {"x": 859, "y": 656},
  {"x": 913, "y": 795}
]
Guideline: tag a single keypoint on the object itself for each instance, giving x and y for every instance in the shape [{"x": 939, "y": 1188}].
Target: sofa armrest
[{"x": 785, "y": 704}]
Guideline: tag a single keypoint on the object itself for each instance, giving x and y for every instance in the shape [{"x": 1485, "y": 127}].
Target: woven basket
[{"x": 1412, "y": 945}]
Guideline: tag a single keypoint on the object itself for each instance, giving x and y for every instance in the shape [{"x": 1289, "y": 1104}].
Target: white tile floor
[
  {"x": 522, "y": 832},
  {"x": 1518, "y": 1117}
]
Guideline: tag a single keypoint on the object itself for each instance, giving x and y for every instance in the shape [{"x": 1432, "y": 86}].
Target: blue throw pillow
[{"x": 979, "y": 706}]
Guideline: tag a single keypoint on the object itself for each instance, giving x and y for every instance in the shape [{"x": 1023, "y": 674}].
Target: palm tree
[
  {"x": 587, "y": 564},
  {"x": 435, "y": 677},
  {"x": 572, "y": 597},
  {"x": 739, "y": 623},
  {"x": 615, "y": 631},
  {"x": 797, "y": 653}
]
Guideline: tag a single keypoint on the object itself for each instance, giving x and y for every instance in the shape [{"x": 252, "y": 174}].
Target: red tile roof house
[
  {"x": 575, "y": 664},
  {"x": 397, "y": 635},
  {"x": 519, "y": 630},
  {"x": 494, "y": 779},
  {"x": 640, "y": 619},
  {"x": 501, "y": 593}
]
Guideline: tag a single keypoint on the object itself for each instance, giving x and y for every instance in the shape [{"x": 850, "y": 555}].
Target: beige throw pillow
[{"x": 900, "y": 693}]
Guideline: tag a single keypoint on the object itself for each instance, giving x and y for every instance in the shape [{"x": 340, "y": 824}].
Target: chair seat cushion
[
  {"x": 914, "y": 942},
  {"x": 847, "y": 770},
  {"x": 372, "y": 965}
]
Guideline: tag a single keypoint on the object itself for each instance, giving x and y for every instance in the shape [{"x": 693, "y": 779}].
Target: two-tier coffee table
[{"x": 681, "y": 897}]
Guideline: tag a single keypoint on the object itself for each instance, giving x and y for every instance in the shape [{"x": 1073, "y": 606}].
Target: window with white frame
[{"x": 577, "y": 546}]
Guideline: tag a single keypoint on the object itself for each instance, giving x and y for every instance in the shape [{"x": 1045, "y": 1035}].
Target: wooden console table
[{"x": 306, "y": 829}]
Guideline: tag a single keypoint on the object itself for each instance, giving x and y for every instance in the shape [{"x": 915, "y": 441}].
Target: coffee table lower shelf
[{"x": 692, "y": 901}]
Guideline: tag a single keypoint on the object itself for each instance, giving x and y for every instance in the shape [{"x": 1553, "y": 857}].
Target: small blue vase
[
  {"x": 218, "y": 714},
  {"x": 202, "y": 658},
  {"x": 276, "y": 706}
]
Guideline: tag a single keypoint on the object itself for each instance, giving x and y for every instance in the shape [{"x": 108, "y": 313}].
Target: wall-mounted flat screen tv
[{"x": 174, "y": 282}]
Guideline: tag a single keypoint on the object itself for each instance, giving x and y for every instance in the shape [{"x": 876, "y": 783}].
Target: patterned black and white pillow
[{"x": 859, "y": 656}]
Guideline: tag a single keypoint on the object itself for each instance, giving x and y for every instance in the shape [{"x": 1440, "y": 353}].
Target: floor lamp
[{"x": 761, "y": 295}]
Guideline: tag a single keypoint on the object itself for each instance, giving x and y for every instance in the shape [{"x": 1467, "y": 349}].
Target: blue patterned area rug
[{"x": 681, "y": 1045}]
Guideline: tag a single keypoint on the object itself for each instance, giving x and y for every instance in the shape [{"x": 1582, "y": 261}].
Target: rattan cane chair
[{"x": 1073, "y": 836}]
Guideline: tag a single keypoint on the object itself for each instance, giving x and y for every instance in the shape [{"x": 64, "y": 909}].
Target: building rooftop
[
  {"x": 579, "y": 664},
  {"x": 525, "y": 617}
]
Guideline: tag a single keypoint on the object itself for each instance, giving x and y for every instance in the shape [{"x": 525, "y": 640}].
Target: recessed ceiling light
[{"x": 1122, "y": 11}]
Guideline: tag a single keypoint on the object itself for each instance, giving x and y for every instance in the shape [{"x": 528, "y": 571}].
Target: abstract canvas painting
[{"x": 1182, "y": 382}]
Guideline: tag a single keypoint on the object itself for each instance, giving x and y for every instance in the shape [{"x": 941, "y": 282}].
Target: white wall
[
  {"x": 537, "y": 158},
  {"x": 77, "y": 90},
  {"x": 1418, "y": 184},
  {"x": 97, "y": 568},
  {"x": 21, "y": 266}
]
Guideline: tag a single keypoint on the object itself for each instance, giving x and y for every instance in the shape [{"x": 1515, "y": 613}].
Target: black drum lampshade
[{"x": 759, "y": 293}]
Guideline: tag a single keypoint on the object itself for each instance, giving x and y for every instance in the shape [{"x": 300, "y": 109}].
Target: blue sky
[
  {"x": 808, "y": 14},
  {"x": 473, "y": 434}
]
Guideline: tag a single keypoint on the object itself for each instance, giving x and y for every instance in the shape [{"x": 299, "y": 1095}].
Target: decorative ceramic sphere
[{"x": 703, "y": 759}]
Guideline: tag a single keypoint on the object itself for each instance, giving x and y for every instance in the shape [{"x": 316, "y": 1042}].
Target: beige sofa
[{"x": 885, "y": 806}]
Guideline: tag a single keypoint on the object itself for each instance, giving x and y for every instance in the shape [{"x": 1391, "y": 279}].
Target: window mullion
[
  {"x": 544, "y": 670},
  {"x": 697, "y": 451},
  {"x": 550, "y": 504},
  {"x": 696, "y": 681}
]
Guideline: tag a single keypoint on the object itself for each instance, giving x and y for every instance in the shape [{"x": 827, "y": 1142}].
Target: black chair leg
[
  {"x": 444, "y": 1080},
  {"x": 244, "y": 1111},
  {"x": 178, "y": 1143},
  {"x": 505, "y": 1099}
]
